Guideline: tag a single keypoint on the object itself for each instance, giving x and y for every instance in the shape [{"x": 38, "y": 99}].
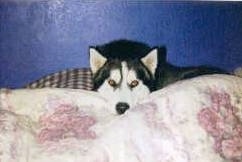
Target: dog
[{"x": 125, "y": 72}]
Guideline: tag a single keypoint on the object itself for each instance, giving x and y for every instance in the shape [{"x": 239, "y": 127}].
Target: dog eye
[
  {"x": 134, "y": 83},
  {"x": 112, "y": 83}
]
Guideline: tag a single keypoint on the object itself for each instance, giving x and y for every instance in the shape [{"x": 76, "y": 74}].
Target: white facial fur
[{"x": 123, "y": 92}]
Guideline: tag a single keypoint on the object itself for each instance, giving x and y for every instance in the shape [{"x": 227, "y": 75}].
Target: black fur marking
[
  {"x": 142, "y": 73},
  {"x": 104, "y": 72},
  {"x": 123, "y": 50}
]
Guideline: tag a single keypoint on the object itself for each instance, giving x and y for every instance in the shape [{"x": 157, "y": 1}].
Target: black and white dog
[{"x": 127, "y": 71}]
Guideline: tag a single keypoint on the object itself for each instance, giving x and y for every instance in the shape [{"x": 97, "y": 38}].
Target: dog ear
[
  {"x": 151, "y": 60},
  {"x": 96, "y": 60}
]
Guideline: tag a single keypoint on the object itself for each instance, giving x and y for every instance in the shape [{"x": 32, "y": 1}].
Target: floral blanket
[{"x": 197, "y": 120}]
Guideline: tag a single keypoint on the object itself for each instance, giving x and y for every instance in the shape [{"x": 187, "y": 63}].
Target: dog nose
[{"x": 121, "y": 107}]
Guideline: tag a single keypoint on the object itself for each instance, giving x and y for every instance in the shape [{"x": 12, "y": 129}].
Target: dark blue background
[{"x": 38, "y": 38}]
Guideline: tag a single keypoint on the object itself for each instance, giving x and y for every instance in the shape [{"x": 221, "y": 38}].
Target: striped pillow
[{"x": 69, "y": 78}]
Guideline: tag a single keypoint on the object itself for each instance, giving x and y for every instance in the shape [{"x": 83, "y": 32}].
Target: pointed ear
[
  {"x": 96, "y": 60},
  {"x": 151, "y": 60}
]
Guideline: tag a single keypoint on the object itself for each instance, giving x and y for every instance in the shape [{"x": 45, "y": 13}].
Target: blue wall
[{"x": 41, "y": 37}]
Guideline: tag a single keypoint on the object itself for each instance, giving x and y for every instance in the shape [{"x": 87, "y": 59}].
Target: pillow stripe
[{"x": 70, "y": 78}]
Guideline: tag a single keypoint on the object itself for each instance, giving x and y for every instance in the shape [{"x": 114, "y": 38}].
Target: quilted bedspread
[{"x": 196, "y": 120}]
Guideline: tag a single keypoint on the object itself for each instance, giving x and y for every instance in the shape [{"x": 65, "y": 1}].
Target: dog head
[{"x": 123, "y": 73}]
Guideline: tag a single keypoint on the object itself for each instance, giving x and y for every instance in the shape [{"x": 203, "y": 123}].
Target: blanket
[{"x": 195, "y": 120}]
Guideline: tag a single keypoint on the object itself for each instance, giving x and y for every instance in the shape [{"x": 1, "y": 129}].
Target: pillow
[
  {"x": 196, "y": 120},
  {"x": 69, "y": 78}
]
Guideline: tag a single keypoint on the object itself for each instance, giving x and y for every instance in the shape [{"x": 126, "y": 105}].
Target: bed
[{"x": 196, "y": 120}]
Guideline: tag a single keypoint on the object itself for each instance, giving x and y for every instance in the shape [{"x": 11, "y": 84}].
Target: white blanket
[{"x": 197, "y": 120}]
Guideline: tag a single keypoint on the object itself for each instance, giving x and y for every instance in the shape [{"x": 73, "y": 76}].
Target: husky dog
[{"x": 125, "y": 72}]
